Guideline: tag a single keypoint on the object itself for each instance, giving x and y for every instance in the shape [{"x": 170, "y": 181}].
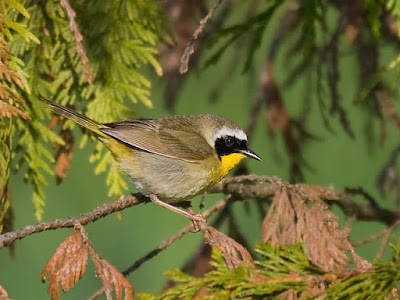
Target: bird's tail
[{"x": 74, "y": 116}]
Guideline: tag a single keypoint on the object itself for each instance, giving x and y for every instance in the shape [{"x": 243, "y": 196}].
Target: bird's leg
[
  {"x": 198, "y": 225},
  {"x": 190, "y": 215}
]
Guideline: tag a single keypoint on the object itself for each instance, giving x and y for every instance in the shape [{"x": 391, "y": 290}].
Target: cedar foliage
[
  {"x": 44, "y": 54},
  {"x": 284, "y": 272},
  {"x": 89, "y": 54}
]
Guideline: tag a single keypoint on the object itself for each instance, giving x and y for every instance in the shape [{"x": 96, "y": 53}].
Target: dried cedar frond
[
  {"x": 8, "y": 111},
  {"x": 287, "y": 295},
  {"x": 67, "y": 265},
  {"x": 230, "y": 248},
  {"x": 112, "y": 279},
  {"x": 4, "y": 294},
  {"x": 298, "y": 213},
  {"x": 64, "y": 154}
]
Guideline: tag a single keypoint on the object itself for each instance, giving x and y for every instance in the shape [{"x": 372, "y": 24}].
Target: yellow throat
[{"x": 230, "y": 161}]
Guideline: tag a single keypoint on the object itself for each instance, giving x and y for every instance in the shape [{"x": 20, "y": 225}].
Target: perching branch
[
  {"x": 99, "y": 212},
  {"x": 240, "y": 187}
]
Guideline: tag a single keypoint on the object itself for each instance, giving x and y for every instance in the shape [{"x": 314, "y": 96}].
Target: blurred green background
[{"x": 336, "y": 160}]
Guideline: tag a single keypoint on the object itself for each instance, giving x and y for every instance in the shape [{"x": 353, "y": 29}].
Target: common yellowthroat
[{"x": 170, "y": 159}]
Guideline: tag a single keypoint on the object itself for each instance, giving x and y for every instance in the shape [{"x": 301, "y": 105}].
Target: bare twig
[
  {"x": 388, "y": 107},
  {"x": 369, "y": 239},
  {"x": 360, "y": 191},
  {"x": 190, "y": 46},
  {"x": 387, "y": 233},
  {"x": 78, "y": 38},
  {"x": 367, "y": 212},
  {"x": 97, "y": 294},
  {"x": 165, "y": 244},
  {"x": 97, "y": 213}
]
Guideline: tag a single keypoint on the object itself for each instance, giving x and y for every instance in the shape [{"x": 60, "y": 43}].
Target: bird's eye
[{"x": 229, "y": 142}]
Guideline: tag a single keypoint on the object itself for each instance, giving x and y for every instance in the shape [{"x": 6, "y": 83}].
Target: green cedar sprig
[{"x": 279, "y": 270}]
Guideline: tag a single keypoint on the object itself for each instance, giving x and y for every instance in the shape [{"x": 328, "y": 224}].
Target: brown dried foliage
[
  {"x": 6, "y": 73},
  {"x": 229, "y": 247},
  {"x": 8, "y": 110},
  {"x": 9, "y": 76},
  {"x": 112, "y": 279},
  {"x": 68, "y": 264},
  {"x": 64, "y": 153},
  {"x": 299, "y": 213},
  {"x": 287, "y": 295},
  {"x": 4, "y": 294}
]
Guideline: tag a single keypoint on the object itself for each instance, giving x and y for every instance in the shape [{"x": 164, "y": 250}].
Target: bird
[{"x": 170, "y": 159}]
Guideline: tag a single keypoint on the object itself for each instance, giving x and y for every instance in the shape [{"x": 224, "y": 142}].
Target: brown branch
[
  {"x": 387, "y": 233},
  {"x": 369, "y": 239},
  {"x": 367, "y": 212},
  {"x": 384, "y": 234},
  {"x": 99, "y": 212},
  {"x": 190, "y": 46},
  {"x": 240, "y": 187},
  {"x": 97, "y": 294}
]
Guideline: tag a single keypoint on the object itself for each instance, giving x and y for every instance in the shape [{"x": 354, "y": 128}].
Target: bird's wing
[{"x": 153, "y": 135}]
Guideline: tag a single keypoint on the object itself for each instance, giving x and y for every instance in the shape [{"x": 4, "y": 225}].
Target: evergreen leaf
[
  {"x": 256, "y": 24},
  {"x": 22, "y": 30},
  {"x": 16, "y": 5}
]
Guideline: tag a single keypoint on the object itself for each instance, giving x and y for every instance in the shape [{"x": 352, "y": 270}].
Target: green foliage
[
  {"x": 310, "y": 17},
  {"x": 394, "y": 7},
  {"x": 374, "y": 11},
  {"x": 99, "y": 72},
  {"x": 121, "y": 38},
  {"x": 13, "y": 79},
  {"x": 254, "y": 26},
  {"x": 375, "y": 284},
  {"x": 244, "y": 281},
  {"x": 5, "y": 157},
  {"x": 288, "y": 259},
  {"x": 280, "y": 269}
]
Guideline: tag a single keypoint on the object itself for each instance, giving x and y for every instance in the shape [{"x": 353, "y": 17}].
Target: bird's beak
[{"x": 250, "y": 153}]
